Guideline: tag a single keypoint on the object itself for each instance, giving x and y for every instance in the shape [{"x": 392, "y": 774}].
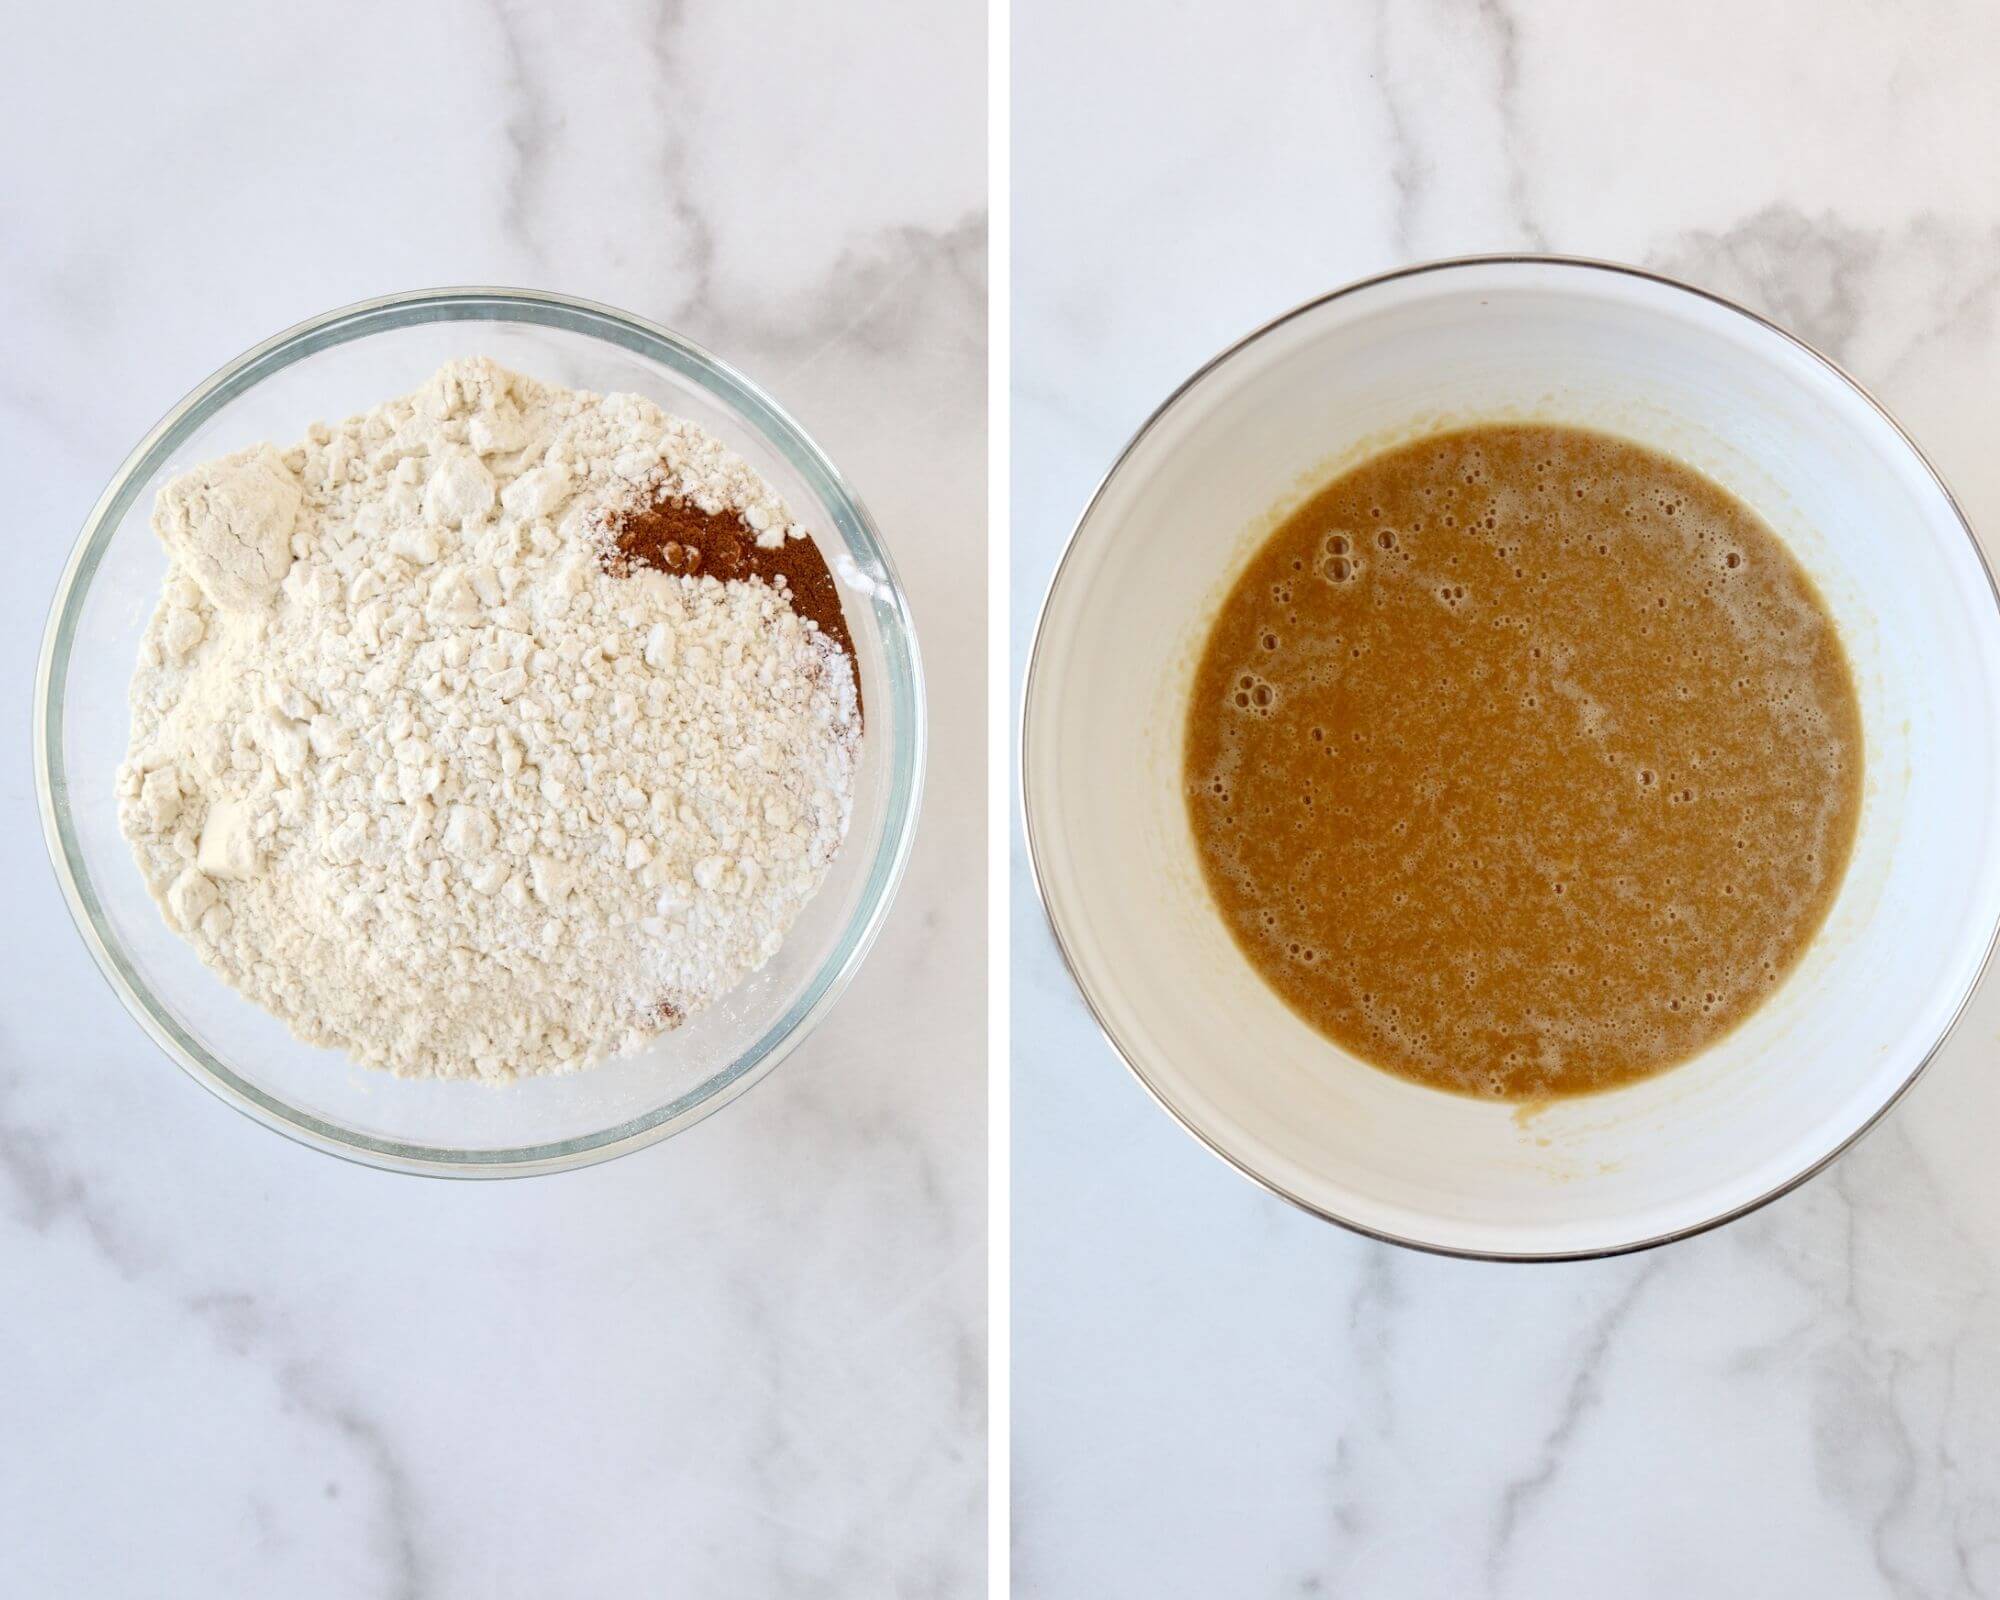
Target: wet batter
[{"x": 1523, "y": 761}]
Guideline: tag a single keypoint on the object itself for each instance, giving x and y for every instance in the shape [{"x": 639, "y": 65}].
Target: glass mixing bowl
[{"x": 331, "y": 367}]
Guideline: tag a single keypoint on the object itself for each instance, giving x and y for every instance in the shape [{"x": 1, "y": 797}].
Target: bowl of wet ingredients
[{"x": 1532, "y": 795}]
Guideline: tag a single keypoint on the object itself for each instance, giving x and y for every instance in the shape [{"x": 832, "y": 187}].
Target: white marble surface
[
  {"x": 1215, "y": 1394},
  {"x": 749, "y": 1361}
]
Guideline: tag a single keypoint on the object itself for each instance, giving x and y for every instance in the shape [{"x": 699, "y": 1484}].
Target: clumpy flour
[{"x": 426, "y": 763}]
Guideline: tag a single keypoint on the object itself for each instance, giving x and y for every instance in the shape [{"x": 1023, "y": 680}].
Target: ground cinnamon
[{"x": 676, "y": 536}]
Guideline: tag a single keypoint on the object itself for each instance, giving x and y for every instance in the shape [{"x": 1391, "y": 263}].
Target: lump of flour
[
  {"x": 229, "y": 523},
  {"x": 421, "y": 766}
]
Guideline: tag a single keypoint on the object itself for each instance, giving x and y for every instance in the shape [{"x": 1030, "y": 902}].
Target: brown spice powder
[{"x": 676, "y": 536}]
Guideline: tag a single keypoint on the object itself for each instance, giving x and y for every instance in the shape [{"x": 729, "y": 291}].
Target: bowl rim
[
  {"x": 545, "y": 308},
  {"x": 1441, "y": 265}
]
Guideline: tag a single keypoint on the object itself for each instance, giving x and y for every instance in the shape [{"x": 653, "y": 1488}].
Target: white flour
[{"x": 411, "y": 770}]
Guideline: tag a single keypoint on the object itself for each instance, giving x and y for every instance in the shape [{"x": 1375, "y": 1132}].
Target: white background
[
  {"x": 1215, "y": 1395},
  {"x": 749, "y": 1362}
]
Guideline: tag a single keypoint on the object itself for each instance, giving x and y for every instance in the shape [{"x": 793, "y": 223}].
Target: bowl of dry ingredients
[{"x": 479, "y": 733}]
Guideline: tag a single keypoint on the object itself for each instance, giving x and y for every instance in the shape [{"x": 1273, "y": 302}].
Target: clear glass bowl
[{"x": 331, "y": 367}]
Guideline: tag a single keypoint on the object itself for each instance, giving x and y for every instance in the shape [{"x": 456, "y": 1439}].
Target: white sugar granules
[{"x": 415, "y": 772}]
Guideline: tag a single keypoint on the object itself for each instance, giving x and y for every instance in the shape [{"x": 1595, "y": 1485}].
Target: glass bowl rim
[{"x": 544, "y": 308}]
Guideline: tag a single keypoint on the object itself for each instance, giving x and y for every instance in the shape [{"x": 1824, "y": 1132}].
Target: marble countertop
[
  {"x": 749, "y": 1361},
  {"x": 1215, "y": 1394}
]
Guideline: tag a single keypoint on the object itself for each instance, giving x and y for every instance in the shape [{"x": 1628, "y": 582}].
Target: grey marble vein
[
  {"x": 889, "y": 294},
  {"x": 1520, "y": 1494},
  {"x": 1505, "y": 28},
  {"x": 45, "y": 1191},
  {"x": 405, "y": 1561},
  {"x": 243, "y": 1325},
  {"x": 51, "y": 1191},
  {"x": 1406, "y": 170},
  {"x": 694, "y": 237},
  {"x": 530, "y": 125},
  {"x": 1490, "y": 32},
  {"x": 1371, "y": 1328},
  {"x": 1805, "y": 272},
  {"x": 1882, "y": 1440}
]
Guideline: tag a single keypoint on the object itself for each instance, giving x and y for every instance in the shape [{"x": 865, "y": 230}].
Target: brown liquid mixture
[{"x": 1523, "y": 761}]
